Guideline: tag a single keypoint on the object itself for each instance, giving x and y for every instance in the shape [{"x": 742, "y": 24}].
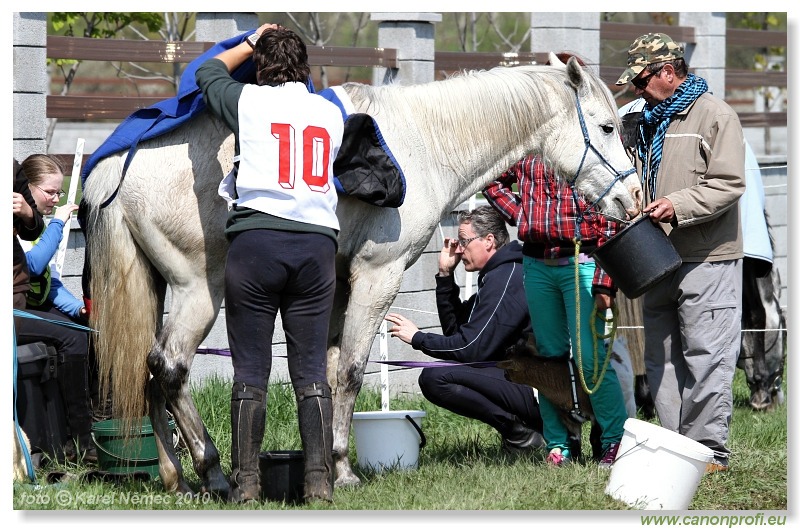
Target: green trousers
[{"x": 550, "y": 291}]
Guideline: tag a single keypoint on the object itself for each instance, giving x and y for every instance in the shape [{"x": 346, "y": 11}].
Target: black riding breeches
[{"x": 483, "y": 394}]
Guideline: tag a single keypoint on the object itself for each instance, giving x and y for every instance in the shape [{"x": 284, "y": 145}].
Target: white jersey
[{"x": 288, "y": 140}]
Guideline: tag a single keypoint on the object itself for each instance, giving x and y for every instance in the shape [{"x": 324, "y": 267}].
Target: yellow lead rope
[{"x": 614, "y": 313}]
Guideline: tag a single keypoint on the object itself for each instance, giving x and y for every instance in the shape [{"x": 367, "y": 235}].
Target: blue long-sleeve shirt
[{"x": 38, "y": 259}]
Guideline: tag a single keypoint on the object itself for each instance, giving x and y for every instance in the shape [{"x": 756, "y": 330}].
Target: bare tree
[{"x": 511, "y": 40}]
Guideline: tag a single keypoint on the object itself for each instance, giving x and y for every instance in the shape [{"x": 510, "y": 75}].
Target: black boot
[
  {"x": 520, "y": 438},
  {"x": 248, "y": 420},
  {"x": 315, "y": 417},
  {"x": 73, "y": 382}
]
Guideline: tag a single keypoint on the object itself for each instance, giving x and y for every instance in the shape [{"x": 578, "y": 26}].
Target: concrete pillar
[
  {"x": 215, "y": 27},
  {"x": 707, "y": 55},
  {"x": 412, "y": 34},
  {"x": 567, "y": 32},
  {"x": 31, "y": 84}
]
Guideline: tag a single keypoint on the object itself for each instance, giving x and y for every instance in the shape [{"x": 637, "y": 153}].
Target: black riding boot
[
  {"x": 248, "y": 420},
  {"x": 315, "y": 417},
  {"x": 73, "y": 382}
]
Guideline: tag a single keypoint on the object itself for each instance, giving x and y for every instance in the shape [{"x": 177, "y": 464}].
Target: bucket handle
[
  {"x": 635, "y": 446},
  {"x": 122, "y": 458},
  {"x": 422, "y": 439},
  {"x": 626, "y": 222}
]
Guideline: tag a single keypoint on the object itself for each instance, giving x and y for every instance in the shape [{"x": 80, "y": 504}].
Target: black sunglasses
[{"x": 641, "y": 83}]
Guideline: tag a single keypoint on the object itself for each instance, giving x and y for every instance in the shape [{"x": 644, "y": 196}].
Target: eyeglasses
[
  {"x": 641, "y": 83},
  {"x": 464, "y": 242},
  {"x": 54, "y": 195}
]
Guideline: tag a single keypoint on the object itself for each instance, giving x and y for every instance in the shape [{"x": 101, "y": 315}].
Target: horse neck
[{"x": 493, "y": 120}]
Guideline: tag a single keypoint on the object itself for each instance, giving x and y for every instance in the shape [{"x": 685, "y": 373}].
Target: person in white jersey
[{"x": 282, "y": 229}]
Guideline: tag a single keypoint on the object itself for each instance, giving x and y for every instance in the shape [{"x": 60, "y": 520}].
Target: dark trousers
[
  {"x": 267, "y": 271},
  {"x": 68, "y": 342},
  {"x": 72, "y": 346},
  {"x": 483, "y": 394}
]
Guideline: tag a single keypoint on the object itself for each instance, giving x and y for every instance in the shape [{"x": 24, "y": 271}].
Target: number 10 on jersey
[{"x": 315, "y": 156}]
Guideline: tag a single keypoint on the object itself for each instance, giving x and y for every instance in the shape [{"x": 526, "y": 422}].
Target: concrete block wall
[
  {"x": 707, "y": 54},
  {"x": 568, "y": 32},
  {"x": 30, "y": 84},
  {"x": 774, "y": 176},
  {"x": 412, "y": 34}
]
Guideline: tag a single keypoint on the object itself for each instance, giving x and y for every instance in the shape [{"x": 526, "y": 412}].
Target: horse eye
[{"x": 607, "y": 129}]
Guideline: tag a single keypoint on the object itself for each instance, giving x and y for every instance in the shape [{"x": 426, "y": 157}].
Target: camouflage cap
[{"x": 646, "y": 50}]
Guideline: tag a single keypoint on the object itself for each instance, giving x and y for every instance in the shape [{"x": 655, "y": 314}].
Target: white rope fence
[{"x": 743, "y": 330}]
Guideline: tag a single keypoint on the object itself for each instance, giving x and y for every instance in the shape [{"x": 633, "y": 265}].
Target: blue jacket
[
  {"x": 38, "y": 259},
  {"x": 484, "y": 326}
]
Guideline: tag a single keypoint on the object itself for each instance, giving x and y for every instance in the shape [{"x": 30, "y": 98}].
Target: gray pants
[{"x": 692, "y": 326}]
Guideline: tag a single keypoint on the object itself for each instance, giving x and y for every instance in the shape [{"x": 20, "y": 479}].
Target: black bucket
[
  {"x": 282, "y": 475},
  {"x": 638, "y": 257}
]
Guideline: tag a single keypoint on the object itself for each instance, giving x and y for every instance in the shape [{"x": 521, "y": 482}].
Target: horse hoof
[
  {"x": 347, "y": 481},
  {"x": 219, "y": 492}
]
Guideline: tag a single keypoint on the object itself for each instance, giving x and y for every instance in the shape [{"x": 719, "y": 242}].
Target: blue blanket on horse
[{"x": 365, "y": 166}]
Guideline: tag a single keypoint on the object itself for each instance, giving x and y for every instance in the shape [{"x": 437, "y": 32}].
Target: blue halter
[{"x": 587, "y": 143}]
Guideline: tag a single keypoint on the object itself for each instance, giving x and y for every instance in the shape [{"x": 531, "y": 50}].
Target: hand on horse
[
  {"x": 403, "y": 329},
  {"x": 448, "y": 258},
  {"x": 65, "y": 211}
]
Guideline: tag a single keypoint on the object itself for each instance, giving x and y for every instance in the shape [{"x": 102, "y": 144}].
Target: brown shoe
[{"x": 716, "y": 466}]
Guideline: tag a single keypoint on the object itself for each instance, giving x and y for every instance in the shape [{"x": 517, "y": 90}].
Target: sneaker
[
  {"x": 558, "y": 457},
  {"x": 717, "y": 465},
  {"x": 609, "y": 455}
]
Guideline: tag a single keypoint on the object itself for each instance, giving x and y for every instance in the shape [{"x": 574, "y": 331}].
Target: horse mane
[{"x": 504, "y": 106}]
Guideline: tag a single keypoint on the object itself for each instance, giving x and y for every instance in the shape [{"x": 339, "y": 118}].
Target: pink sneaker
[
  {"x": 609, "y": 456},
  {"x": 558, "y": 457}
]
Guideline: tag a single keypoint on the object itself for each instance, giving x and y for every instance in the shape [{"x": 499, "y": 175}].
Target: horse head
[{"x": 601, "y": 170}]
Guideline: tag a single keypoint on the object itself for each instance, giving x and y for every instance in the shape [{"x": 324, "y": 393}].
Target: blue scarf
[{"x": 654, "y": 123}]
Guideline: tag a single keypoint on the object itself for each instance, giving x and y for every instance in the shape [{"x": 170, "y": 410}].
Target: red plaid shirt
[{"x": 545, "y": 213}]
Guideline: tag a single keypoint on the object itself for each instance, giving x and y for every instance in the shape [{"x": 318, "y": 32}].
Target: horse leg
[
  {"x": 169, "y": 465},
  {"x": 644, "y": 400},
  {"x": 752, "y": 356},
  {"x": 372, "y": 292},
  {"x": 192, "y": 313},
  {"x": 774, "y": 335}
]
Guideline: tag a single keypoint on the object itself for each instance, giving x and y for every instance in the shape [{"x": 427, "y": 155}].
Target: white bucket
[
  {"x": 387, "y": 439},
  {"x": 656, "y": 468}
]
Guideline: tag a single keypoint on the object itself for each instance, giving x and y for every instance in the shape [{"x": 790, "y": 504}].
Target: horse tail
[{"x": 123, "y": 289}]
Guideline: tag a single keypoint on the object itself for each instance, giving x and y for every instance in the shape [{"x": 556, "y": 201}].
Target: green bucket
[{"x": 139, "y": 452}]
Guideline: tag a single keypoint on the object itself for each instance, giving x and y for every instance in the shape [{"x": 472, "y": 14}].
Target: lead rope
[{"x": 613, "y": 320}]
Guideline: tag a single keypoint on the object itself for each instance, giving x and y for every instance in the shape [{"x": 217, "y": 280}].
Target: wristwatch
[{"x": 252, "y": 39}]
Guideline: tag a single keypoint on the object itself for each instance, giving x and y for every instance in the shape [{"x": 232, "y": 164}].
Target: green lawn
[{"x": 461, "y": 468}]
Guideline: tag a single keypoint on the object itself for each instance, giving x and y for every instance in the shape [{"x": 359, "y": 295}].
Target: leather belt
[{"x": 565, "y": 261}]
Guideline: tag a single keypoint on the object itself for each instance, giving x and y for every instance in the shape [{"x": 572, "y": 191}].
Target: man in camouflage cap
[
  {"x": 689, "y": 152},
  {"x": 647, "y": 50}
]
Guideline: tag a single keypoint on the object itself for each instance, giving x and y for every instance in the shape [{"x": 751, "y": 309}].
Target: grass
[{"x": 461, "y": 468}]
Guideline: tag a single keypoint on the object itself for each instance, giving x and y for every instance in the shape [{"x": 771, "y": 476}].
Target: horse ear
[
  {"x": 553, "y": 59},
  {"x": 574, "y": 73}
]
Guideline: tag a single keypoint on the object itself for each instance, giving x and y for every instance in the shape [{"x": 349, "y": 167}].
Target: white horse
[{"x": 165, "y": 228}]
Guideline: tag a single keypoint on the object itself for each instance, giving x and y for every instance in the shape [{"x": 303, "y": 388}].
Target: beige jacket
[{"x": 702, "y": 174}]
